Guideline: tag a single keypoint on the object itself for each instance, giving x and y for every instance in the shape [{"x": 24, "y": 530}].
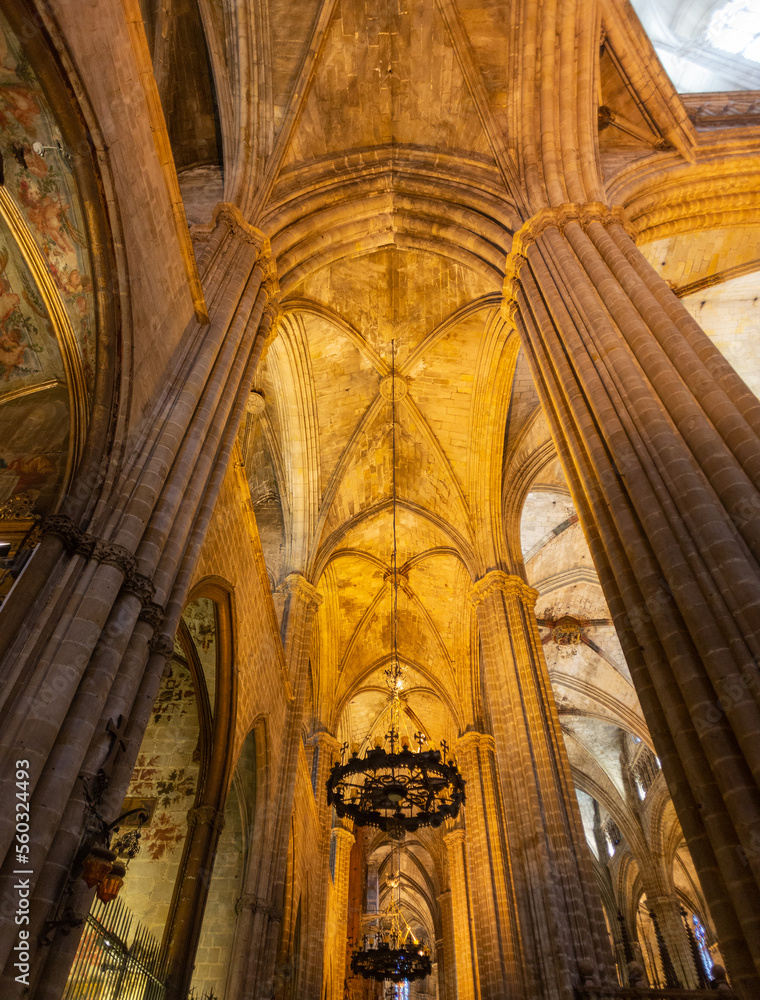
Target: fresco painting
[
  {"x": 29, "y": 352},
  {"x": 34, "y": 446},
  {"x": 44, "y": 189}
]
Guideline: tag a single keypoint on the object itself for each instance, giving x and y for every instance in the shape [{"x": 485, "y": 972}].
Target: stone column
[
  {"x": 344, "y": 840},
  {"x": 660, "y": 441},
  {"x": 97, "y": 633},
  {"x": 462, "y": 959},
  {"x": 560, "y": 925},
  {"x": 324, "y": 748},
  {"x": 300, "y": 603},
  {"x": 445, "y": 949},
  {"x": 500, "y": 966},
  {"x": 666, "y": 910}
]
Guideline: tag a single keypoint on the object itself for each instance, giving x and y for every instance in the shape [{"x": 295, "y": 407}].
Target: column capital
[
  {"x": 323, "y": 739},
  {"x": 296, "y": 585},
  {"x": 497, "y": 580},
  {"x": 558, "y": 217},
  {"x": 205, "y": 816},
  {"x": 473, "y": 740},
  {"x": 341, "y": 833},
  {"x": 453, "y": 838},
  {"x": 225, "y": 213}
]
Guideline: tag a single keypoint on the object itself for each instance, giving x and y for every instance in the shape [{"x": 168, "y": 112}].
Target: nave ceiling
[{"x": 378, "y": 156}]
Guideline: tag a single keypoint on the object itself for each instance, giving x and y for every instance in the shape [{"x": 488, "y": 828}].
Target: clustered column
[
  {"x": 344, "y": 841},
  {"x": 560, "y": 924},
  {"x": 96, "y": 647},
  {"x": 492, "y": 891},
  {"x": 660, "y": 440},
  {"x": 461, "y": 955}
]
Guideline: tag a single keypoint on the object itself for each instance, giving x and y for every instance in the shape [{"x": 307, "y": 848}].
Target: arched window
[{"x": 701, "y": 938}]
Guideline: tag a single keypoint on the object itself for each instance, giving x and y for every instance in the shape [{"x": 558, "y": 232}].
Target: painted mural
[
  {"x": 41, "y": 182},
  {"x": 46, "y": 363},
  {"x": 34, "y": 449}
]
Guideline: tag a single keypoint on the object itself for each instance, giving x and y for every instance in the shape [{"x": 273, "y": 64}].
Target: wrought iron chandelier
[
  {"x": 392, "y": 787},
  {"x": 395, "y": 955}
]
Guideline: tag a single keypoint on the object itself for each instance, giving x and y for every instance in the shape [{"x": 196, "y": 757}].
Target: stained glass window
[{"x": 704, "y": 951}]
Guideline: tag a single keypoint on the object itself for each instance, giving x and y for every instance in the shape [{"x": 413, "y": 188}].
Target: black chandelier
[
  {"x": 392, "y": 787},
  {"x": 395, "y": 955},
  {"x": 398, "y": 791},
  {"x": 391, "y": 961}
]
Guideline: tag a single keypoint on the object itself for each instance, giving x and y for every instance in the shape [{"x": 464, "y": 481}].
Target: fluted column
[
  {"x": 660, "y": 441},
  {"x": 462, "y": 965},
  {"x": 561, "y": 926},
  {"x": 344, "y": 840},
  {"x": 489, "y": 877}
]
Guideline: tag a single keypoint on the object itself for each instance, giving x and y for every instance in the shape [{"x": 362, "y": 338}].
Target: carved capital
[
  {"x": 230, "y": 215},
  {"x": 454, "y": 839},
  {"x": 474, "y": 740},
  {"x": 205, "y": 816},
  {"x": 297, "y": 586},
  {"x": 162, "y": 644},
  {"x": 153, "y": 614},
  {"x": 115, "y": 555},
  {"x": 341, "y": 833},
  {"x": 74, "y": 538},
  {"x": 141, "y": 586},
  {"x": 497, "y": 581}
]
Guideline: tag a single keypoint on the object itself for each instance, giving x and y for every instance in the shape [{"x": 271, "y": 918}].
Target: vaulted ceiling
[{"x": 374, "y": 144}]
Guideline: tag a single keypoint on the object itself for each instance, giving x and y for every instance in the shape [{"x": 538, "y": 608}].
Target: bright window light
[{"x": 735, "y": 28}]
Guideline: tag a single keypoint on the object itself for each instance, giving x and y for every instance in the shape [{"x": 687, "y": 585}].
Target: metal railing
[{"x": 117, "y": 958}]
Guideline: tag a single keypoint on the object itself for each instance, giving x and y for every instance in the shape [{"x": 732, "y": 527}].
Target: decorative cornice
[
  {"x": 20, "y": 507},
  {"x": 499, "y": 581}
]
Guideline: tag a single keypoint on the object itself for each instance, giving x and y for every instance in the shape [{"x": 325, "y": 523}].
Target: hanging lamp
[
  {"x": 394, "y": 955},
  {"x": 392, "y": 787}
]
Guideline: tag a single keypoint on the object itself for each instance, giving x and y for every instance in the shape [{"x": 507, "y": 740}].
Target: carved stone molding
[
  {"x": 498, "y": 580},
  {"x": 205, "y": 816},
  {"x": 225, "y": 213},
  {"x": 82, "y": 543},
  {"x": 162, "y": 644},
  {"x": 557, "y": 218},
  {"x": 153, "y": 614},
  {"x": 297, "y": 586}
]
